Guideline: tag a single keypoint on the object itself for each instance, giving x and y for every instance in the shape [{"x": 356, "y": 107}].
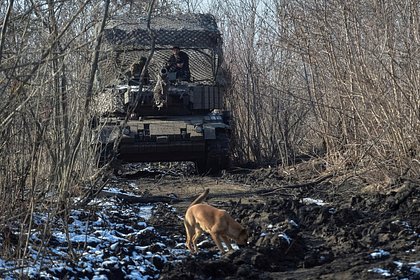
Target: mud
[{"x": 297, "y": 231}]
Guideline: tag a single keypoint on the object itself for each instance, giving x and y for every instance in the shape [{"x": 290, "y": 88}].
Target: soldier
[
  {"x": 179, "y": 62},
  {"x": 135, "y": 73}
]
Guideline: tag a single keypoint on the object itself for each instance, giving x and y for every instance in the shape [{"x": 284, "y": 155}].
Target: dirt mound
[{"x": 362, "y": 236}]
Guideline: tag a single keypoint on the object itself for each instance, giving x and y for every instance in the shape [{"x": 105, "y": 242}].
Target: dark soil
[{"x": 351, "y": 232}]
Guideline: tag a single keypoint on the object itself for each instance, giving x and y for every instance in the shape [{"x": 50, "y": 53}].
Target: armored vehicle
[{"x": 147, "y": 111}]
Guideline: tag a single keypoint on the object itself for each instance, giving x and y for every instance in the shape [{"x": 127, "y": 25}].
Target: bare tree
[
  {"x": 334, "y": 79},
  {"x": 45, "y": 141}
]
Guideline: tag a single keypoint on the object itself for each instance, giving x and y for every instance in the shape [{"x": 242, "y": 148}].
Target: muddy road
[{"x": 301, "y": 226}]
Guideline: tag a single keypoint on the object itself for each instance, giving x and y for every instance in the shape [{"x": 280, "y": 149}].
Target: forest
[{"x": 334, "y": 82}]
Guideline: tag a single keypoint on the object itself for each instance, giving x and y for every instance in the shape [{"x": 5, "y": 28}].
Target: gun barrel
[{"x": 163, "y": 71}]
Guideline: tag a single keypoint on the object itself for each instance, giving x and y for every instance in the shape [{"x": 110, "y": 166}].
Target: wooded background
[{"x": 332, "y": 80}]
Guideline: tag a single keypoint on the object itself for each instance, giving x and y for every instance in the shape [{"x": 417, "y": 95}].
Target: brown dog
[{"x": 218, "y": 223}]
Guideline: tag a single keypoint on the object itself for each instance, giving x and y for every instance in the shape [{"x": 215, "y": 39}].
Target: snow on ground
[
  {"x": 108, "y": 240},
  {"x": 308, "y": 200},
  {"x": 113, "y": 240}
]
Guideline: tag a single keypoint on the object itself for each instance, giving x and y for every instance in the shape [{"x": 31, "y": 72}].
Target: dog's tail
[{"x": 200, "y": 198}]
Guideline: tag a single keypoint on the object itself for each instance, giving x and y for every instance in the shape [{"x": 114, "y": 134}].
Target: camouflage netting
[
  {"x": 108, "y": 101},
  {"x": 127, "y": 39}
]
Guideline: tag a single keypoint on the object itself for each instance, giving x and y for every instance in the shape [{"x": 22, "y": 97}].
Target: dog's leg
[
  {"x": 197, "y": 234},
  {"x": 216, "y": 240},
  {"x": 189, "y": 230},
  {"x": 226, "y": 240}
]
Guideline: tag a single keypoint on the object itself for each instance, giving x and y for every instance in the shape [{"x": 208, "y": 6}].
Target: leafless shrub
[
  {"x": 45, "y": 144},
  {"x": 334, "y": 79}
]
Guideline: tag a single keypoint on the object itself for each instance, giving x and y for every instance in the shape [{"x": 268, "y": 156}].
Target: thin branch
[
  {"x": 4, "y": 29},
  {"x": 42, "y": 60}
]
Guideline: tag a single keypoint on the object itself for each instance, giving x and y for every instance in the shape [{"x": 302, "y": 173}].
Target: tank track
[{"x": 217, "y": 155}]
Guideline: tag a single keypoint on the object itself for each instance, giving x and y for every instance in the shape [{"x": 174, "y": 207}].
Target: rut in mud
[{"x": 308, "y": 230}]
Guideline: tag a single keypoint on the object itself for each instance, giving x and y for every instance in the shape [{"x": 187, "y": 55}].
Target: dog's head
[{"x": 242, "y": 237}]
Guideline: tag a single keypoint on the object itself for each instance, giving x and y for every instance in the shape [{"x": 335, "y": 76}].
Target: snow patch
[
  {"x": 383, "y": 272},
  {"x": 308, "y": 200},
  {"x": 379, "y": 254},
  {"x": 103, "y": 239}
]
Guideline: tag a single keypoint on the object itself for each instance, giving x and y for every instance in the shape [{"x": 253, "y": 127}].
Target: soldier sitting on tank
[
  {"x": 134, "y": 73},
  {"x": 179, "y": 62}
]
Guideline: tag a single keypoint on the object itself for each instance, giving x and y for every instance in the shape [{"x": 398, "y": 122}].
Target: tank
[{"x": 145, "y": 110}]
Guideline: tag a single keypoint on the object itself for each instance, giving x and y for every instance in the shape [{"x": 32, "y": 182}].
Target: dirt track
[{"x": 329, "y": 229}]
